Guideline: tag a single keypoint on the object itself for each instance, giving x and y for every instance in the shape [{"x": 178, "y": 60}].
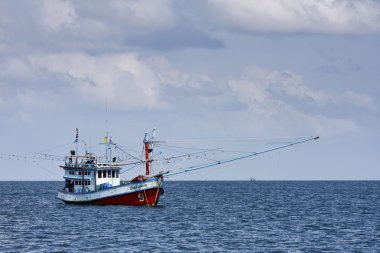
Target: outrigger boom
[{"x": 193, "y": 168}]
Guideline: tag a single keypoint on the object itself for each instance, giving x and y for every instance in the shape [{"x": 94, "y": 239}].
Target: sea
[{"x": 198, "y": 216}]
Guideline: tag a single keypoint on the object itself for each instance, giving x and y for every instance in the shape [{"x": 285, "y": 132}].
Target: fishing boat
[{"x": 90, "y": 180}]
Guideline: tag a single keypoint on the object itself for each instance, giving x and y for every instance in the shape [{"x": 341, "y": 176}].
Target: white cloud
[
  {"x": 170, "y": 76},
  {"x": 361, "y": 100},
  {"x": 285, "y": 82},
  {"x": 125, "y": 16},
  {"x": 65, "y": 25},
  {"x": 280, "y": 97},
  {"x": 327, "y": 126},
  {"x": 298, "y": 16},
  {"x": 261, "y": 100},
  {"x": 55, "y": 14},
  {"x": 141, "y": 13},
  {"x": 121, "y": 79}
]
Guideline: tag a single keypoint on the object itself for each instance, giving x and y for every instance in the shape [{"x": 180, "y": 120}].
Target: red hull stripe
[{"x": 139, "y": 198}]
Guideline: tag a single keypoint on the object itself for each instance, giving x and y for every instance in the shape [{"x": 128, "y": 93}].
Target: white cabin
[{"x": 84, "y": 174}]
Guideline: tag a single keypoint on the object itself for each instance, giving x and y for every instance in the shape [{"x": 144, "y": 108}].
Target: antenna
[
  {"x": 76, "y": 146},
  {"x": 107, "y": 140}
]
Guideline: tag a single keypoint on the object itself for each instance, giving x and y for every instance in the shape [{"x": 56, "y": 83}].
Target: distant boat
[{"x": 90, "y": 180}]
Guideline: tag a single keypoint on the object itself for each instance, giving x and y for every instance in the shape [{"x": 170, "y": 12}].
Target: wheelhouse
[{"x": 84, "y": 174}]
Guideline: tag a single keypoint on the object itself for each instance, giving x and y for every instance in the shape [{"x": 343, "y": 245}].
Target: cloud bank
[
  {"x": 298, "y": 16},
  {"x": 59, "y": 52}
]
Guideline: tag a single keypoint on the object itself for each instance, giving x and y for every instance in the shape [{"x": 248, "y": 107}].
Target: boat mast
[
  {"x": 76, "y": 156},
  {"x": 148, "y": 148}
]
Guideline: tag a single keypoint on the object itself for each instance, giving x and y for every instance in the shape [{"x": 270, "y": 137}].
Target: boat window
[
  {"x": 109, "y": 173},
  {"x": 113, "y": 173},
  {"x": 99, "y": 174},
  {"x": 104, "y": 173},
  {"x": 117, "y": 174}
]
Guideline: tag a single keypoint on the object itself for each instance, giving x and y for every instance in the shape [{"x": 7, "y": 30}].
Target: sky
[{"x": 210, "y": 69}]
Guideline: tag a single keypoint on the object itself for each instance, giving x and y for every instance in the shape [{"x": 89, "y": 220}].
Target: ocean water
[{"x": 229, "y": 216}]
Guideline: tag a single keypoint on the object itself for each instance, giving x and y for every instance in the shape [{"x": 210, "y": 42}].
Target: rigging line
[
  {"x": 169, "y": 146},
  {"x": 117, "y": 146},
  {"x": 125, "y": 147},
  {"x": 137, "y": 163},
  {"x": 234, "y": 140},
  {"x": 249, "y": 152},
  {"x": 51, "y": 156},
  {"x": 237, "y": 151},
  {"x": 33, "y": 157},
  {"x": 49, "y": 171},
  {"x": 204, "y": 158},
  {"x": 203, "y": 151},
  {"x": 128, "y": 169},
  {"x": 193, "y": 168},
  {"x": 179, "y": 162},
  {"x": 180, "y": 156},
  {"x": 57, "y": 146},
  {"x": 130, "y": 163}
]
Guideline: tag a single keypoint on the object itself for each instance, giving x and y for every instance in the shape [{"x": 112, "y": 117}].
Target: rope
[
  {"x": 146, "y": 199},
  {"x": 54, "y": 147}
]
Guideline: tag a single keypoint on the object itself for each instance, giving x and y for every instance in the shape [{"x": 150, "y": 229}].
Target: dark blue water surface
[{"x": 258, "y": 216}]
